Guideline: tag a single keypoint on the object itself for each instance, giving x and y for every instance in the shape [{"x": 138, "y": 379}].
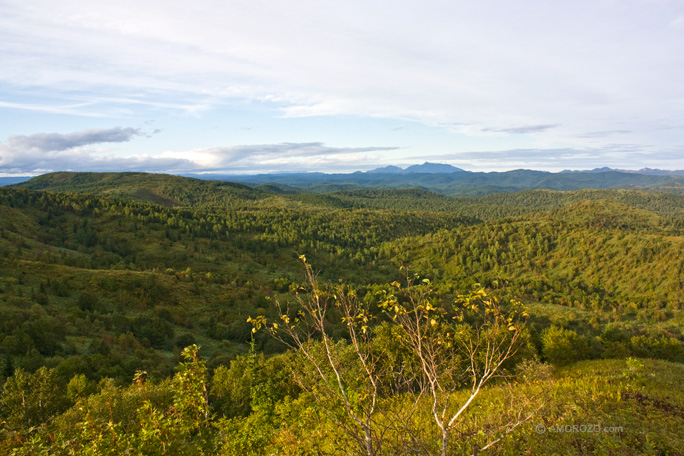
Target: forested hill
[
  {"x": 200, "y": 189},
  {"x": 106, "y": 276},
  {"x": 163, "y": 189},
  {"x": 138, "y": 260},
  {"x": 495, "y": 206},
  {"x": 469, "y": 183},
  {"x": 174, "y": 191}
]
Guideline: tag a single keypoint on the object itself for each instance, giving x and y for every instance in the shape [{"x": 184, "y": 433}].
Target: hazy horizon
[{"x": 403, "y": 166}]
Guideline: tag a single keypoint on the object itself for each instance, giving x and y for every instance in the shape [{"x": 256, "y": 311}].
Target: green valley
[{"x": 110, "y": 282}]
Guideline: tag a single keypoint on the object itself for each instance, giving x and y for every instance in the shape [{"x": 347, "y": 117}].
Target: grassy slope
[
  {"x": 606, "y": 407},
  {"x": 644, "y": 406}
]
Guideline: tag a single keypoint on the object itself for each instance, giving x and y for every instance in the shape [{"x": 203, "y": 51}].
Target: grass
[{"x": 626, "y": 408}]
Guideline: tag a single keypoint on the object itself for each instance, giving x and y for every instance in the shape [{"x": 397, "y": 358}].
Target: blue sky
[{"x": 337, "y": 86}]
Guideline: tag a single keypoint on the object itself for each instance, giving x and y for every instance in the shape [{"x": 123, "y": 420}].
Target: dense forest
[{"x": 155, "y": 314}]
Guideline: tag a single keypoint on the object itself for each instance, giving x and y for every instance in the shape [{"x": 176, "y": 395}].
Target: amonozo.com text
[{"x": 576, "y": 428}]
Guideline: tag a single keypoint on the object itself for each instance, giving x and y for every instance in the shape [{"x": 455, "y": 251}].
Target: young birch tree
[
  {"x": 462, "y": 348},
  {"x": 342, "y": 377},
  {"x": 454, "y": 348}
]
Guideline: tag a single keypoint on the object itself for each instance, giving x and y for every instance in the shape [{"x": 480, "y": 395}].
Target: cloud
[
  {"x": 82, "y": 151},
  {"x": 96, "y": 150},
  {"x": 604, "y": 133},
  {"x": 75, "y": 109},
  {"x": 275, "y": 157},
  {"x": 461, "y": 60},
  {"x": 522, "y": 130},
  {"x": 97, "y": 106},
  {"x": 517, "y": 155},
  {"x": 43, "y": 152},
  {"x": 44, "y": 142}
]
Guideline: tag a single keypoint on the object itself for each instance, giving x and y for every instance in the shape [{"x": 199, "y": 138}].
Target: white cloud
[
  {"x": 43, "y": 152},
  {"x": 489, "y": 62},
  {"x": 43, "y": 142},
  {"x": 40, "y": 151},
  {"x": 83, "y": 151},
  {"x": 679, "y": 22},
  {"x": 521, "y": 130},
  {"x": 278, "y": 157}
]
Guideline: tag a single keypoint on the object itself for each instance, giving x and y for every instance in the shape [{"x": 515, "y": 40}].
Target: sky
[{"x": 256, "y": 86}]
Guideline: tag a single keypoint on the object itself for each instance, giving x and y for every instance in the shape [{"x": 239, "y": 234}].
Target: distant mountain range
[
  {"x": 645, "y": 171},
  {"x": 467, "y": 183},
  {"x": 13, "y": 180},
  {"x": 425, "y": 168},
  {"x": 163, "y": 189},
  {"x": 435, "y": 177}
]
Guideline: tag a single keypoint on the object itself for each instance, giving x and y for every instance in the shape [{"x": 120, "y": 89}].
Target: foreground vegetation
[
  {"x": 252, "y": 408},
  {"x": 106, "y": 281}
]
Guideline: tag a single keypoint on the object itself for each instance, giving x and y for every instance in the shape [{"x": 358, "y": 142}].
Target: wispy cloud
[
  {"x": 78, "y": 109},
  {"x": 523, "y": 130},
  {"x": 275, "y": 157},
  {"x": 42, "y": 152},
  {"x": 604, "y": 133},
  {"x": 516, "y": 156},
  {"x": 44, "y": 142},
  {"x": 99, "y": 106},
  {"x": 83, "y": 151},
  {"x": 460, "y": 59}
]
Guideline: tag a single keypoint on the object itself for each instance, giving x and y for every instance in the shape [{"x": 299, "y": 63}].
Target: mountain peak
[
  {"x": 432, "y": 168},
  {"x": 425, "y": 168},
  {"x": 391, "y": 169}
]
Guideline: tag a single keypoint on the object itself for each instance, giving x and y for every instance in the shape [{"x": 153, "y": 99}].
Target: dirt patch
[{"x": 656, "y": 403}]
